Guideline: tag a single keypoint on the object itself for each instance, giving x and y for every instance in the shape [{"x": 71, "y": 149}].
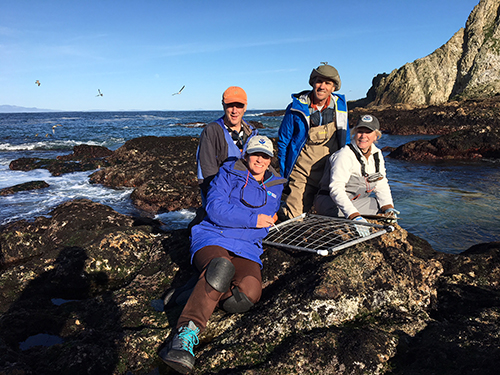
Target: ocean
[{"x": 451, "y": 204}]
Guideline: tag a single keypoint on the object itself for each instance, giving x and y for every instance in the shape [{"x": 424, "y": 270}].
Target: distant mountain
[
  {"x": 16, "y": 109},
  {"x": 465, "y": 67}
]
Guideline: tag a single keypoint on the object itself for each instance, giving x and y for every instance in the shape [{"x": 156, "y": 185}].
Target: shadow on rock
[{"x": 57, "y": 327}]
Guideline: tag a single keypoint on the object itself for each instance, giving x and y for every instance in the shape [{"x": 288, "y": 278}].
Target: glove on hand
[
  {"x": 393, "y": 214},
  {"x": 362, "y": 230}
]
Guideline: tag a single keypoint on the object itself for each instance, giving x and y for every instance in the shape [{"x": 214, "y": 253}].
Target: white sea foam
[
  {"x": 47, "y": 145},
  {"x": 254, "y": 114},
  {"x": 191, "y": 125},
  {"x": 176, "y": 219},
  {"x": 29, "y": 204}
]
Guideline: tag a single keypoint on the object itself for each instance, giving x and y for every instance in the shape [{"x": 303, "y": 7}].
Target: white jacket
[{"x": 346, "y": 180}]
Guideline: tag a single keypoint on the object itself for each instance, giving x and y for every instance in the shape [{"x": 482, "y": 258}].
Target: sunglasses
[
  {"x": 236, "y": 137},
  {"x": 262, "y": 190}
]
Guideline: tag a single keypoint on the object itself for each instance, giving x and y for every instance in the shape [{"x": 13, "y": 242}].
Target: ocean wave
[
  {"x": 254, "y": 114},
  {"x": 49, "y": 145},
  {"x": 191, "y": 124},
  {"x": 30, "y": 204},
  {"x": 161, "y": 118}
]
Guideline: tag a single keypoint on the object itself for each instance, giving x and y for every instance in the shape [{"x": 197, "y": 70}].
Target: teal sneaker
[{"x": 179, "y": 353}]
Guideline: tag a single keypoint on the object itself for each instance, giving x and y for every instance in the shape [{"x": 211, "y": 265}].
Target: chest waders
[
  {"x": 308, "y": 170},
  {"x": 353, "y": 187}
]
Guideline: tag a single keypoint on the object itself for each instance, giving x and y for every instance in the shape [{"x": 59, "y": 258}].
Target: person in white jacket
[{"x": 354, "y": 182}]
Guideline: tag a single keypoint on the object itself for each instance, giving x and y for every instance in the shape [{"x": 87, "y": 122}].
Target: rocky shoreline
[
  {"x": 89, "y": 281},
  {"x": 93, "y": 279}
]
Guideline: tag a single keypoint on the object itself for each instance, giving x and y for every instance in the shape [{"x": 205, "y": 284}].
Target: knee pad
[
  {"x": 238, "y": 303},
  {"x": 220, "y": 272}
]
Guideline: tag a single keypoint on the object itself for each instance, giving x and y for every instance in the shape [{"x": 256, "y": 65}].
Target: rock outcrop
[
  {"x": 464, "y": 144},
  {"x": 83, "y": 158},
  {"x": 80, "y": 293},
  {"x": 161, "y": 170},
  {"x": 465, "y": 67},
  {"x": 32, "y": 185}
]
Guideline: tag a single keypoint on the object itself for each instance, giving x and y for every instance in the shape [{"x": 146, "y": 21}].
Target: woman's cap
[
  {"x": 234, "y": 94},
  {"x": 260, "y": 143},
  {"x": 326, "y": 71},
  {"x": 368, "y": 121}
]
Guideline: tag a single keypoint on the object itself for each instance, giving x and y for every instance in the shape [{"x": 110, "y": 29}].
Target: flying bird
[
  {"x": 177, "y": 93},
  {"x": 100, "y": 93},
  {"x": 324, "y": 62},
  {"x": 37, "y": 82},
  {"x": 54, "y": 128}
]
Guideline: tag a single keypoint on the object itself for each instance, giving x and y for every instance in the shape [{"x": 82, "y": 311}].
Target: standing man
[
  {"x": 315, "y": 125},
  {"x": 223, "y": 140}
]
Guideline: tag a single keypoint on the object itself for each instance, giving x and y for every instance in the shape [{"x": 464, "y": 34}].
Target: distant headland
[{"x": 16, "y": 109}]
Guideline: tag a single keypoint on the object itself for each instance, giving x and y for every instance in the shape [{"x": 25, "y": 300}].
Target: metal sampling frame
[{"x": 323, "y": 235}]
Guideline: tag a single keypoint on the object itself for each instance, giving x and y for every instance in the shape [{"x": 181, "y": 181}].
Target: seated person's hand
[
  {"x": 363, "y": 231},
  {"x": 392, "y": 213},
  {"x": 264, "y": 221}
]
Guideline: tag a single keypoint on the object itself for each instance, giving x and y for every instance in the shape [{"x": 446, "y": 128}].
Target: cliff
[{"x": 465, "y": 67}]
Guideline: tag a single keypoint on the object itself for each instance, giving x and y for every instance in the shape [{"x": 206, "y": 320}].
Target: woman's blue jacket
[{"x": 230, "y": 222}]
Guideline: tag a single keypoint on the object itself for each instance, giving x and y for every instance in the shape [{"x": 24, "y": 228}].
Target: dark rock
[
  {"x": 89, "y": 276},
  {"x": 405, "y": 119},
  {"x": 274, "y": 113},
  {"x": 161, "y": 169},
  {"x": 465, "y": 144},
  {"x": 462, "y": 335},
  {"x": 82, "y": 152},
  {"x": 256, "y": 124},
  {"x": 83, "y": 158},
  {"x": 32, "y": 185}
]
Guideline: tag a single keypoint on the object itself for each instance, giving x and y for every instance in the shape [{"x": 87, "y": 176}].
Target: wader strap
[{"x": 359, "y": 157}]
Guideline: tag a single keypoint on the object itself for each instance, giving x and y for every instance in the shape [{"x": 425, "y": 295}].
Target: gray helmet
[{"x": 326, "y": 71}]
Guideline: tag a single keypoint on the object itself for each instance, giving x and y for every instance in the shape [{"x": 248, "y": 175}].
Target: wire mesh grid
[{"x": 321, "y": 234}]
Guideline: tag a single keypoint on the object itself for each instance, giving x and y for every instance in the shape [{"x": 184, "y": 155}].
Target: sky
[{"x": 138, "y": 53}]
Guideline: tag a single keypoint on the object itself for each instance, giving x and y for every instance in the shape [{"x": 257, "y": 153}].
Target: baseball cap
[
  {"x": 234, "y": 94},
  {"x": 260, "y": 143},
  {"x": 368, "y": 121}
]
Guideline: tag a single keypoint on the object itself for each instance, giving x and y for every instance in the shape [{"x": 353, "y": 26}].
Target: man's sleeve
[
  {"x": 209, "y": 155},
  {"x": 284, "y": 135}
]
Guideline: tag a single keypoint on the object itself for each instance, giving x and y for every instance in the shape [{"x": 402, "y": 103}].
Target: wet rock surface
[
  {"x": 464, "y": 144},
  {"x": 466, "y": 130},
  {"x": 32, "y": 185},
  {"x": 161, "y": 169},
  {"x": 83, "y": 158},
  {"x": 405, "y": 119},
  {"x": 93, "y": 279}
]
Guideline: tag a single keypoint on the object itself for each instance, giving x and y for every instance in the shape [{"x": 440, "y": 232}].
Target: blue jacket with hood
[
  {"x": 230, "y": 223},
  {"x": 294, "y": 129}
]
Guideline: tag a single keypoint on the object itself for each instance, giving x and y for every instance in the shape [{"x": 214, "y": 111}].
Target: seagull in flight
[
  {"x": 100, "y": 93},
  {"x": 324, "y": 62},
  {"x": 37, "y": 82},
  {"x": 54, "y": 128},
  {"x": 177, "y": 93}
]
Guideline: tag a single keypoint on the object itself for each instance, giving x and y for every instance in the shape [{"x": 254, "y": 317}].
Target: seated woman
[
  {"x": 352, "y": 174},
  {"x": 226, "y": 246}
]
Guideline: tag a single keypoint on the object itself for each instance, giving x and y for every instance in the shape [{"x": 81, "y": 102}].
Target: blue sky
[{"x": 140, "y": 52}]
